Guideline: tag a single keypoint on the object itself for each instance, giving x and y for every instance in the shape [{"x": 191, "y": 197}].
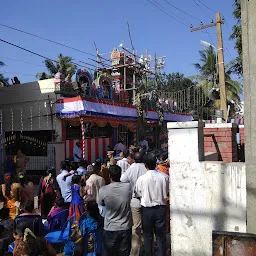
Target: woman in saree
[{"x": 47, "y": 192}]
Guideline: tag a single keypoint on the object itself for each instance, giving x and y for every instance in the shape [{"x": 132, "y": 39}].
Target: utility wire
[
  {"x": 39, "y": 55},
  {"x": 167, "y": 13},
  {"x": 182, "y": 11},
  {"x": 206, "y": 6},
  {"x": 163, "y": 7},
  {"x": 26, "y": 62},
  {"x": 49, "y": 40}
]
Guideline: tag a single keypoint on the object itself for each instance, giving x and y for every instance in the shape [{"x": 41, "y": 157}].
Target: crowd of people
[{"x": 110, "y": 205}]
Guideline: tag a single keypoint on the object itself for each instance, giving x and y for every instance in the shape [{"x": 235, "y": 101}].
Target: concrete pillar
[
  {"x": 190, "y": 138},
  {"x": 249, "y": 69}
]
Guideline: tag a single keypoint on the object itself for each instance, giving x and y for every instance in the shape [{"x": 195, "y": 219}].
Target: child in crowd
[{"x": 77, "y": 204}]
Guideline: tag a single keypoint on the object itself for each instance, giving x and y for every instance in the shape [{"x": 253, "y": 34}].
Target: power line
[
  {"x": 39, "y": 55},
  {"x": 26, "y": 62},
  {"x": 46, "y": 39},
  {"x": 171, "y": 12},
  {"x": 49, "y": 40},
  {"x": 182, "y": 11},
  {"x": 206, "y": 6},
  {"x": 167, "y": 13},
  {"x": 10, "y": 72}
]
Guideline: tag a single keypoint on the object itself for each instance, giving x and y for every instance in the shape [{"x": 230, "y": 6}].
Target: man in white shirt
[
  {"x": 65, "y": 183},
  {"x": 123, "y": 163},
  {"x": 131, "y": 175},
  {"x": 120, "y": 147},
  {"x": 95, "y": 182},
  {"x": 77, "y": 152},
  {"x": 153, "y": 189}
]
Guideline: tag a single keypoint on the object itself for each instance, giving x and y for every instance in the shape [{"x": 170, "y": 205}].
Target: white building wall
[{"x": 17, "y": 102}]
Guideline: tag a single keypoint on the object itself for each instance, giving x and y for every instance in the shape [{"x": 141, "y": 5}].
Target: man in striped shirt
[{"x": 123, "y": 163}]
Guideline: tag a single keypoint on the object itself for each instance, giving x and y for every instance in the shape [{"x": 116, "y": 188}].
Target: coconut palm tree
[
  {"x": 3, "y": 80},
  {"x": 208, "y": 77},
  {"x": 64, "y": 65}
]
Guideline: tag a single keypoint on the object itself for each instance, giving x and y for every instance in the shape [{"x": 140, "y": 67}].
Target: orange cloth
[{"x": 164, "y": 167}]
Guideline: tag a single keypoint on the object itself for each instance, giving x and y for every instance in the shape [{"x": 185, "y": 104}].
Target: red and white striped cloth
[{"x": 93, "y": 148}]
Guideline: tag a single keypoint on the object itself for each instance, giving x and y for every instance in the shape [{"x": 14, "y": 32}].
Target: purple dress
[{"x": 77, "y": 204}]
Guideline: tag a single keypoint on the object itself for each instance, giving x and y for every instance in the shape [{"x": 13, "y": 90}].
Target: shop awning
[{"x": 77, "y": 106}]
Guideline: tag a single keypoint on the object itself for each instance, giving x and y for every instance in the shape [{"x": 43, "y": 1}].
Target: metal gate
[{"x": 32, "y": 147}]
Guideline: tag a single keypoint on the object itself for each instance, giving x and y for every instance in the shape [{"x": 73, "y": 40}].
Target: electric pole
[{"x": 221, "y": 68}]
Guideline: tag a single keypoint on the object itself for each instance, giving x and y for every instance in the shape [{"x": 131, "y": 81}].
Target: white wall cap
[
  {"x": 222, "y": 125},
  {"x": 184, "y": 125}
]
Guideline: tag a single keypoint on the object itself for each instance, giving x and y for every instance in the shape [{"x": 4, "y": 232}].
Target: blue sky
[{"x": 80, "y": 23}]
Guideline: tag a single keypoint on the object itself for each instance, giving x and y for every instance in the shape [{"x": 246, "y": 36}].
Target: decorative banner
[
  {"x": 39, "y": 117},
  {"x": 31, "y": 119},
  {"x": 12, "y": 119},
  {"x": 21, "y": 120},
  {"x": 1, "y": 122},
  {"x": 115, "y": 57},
  {"x": 83, "y": 137}
]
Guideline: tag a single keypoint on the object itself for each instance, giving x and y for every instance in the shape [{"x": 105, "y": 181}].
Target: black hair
[
  {"x": 150, "y": 161},
  {"x": 74, "y": 166},
  {"x": 76, "y": 179},
  {"x": 126, "y": 153},
  {"x": 60, "y": 202},
  {"x": 51, "y": 171},
  {"x": 82, "y": 163},
  {"x": 93, "y": 210},
  {"x": 14, "y": 179},
  {"x": 24, "y": 180},
  {"x": 115, "y": 172},
  {"x": 63, "y": 165},
  {"x": 131, "y": 155},
  {"x": 21, "y": 226},
  {"x": 29, "y": 206},
  {"x": 164, "y": 156},
  {"x": 96, "y": 167},
  {"x": 138, "y": 158}
]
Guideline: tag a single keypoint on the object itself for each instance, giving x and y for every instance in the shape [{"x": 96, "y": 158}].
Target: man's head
[
  {"x": 110, "y": 154},
  {"x": 29, "y": 206},
  {"x": 126, "y": 153},
  {"x": 96, "y": 167},
  {"x": 82, "y": 163},
  {"x": 60, "y": 202},
  {"x": 78, "y": 144},
  {"x": 138, "y": 158},
  {"x": 63, "y": 165},
  {"x": 115, "y": 173},
  {"x": 19, "y": 152},
  {"x": 164, "y": 156},
  {"x": 150, "y": 161},
  {"x": 130, "y": 158}
]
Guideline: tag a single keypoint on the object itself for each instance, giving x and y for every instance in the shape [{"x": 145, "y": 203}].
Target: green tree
[
  {"x": 64, "y": 65},
  {"x": 206, "y": 80},
  {"x": 3, "y": 80},
  {"x": 237, "y": 64}
]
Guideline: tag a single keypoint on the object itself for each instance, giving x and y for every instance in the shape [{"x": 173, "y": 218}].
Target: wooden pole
[
  {"x": 222, "y": 82},
  {"x": 124, "y": 66}
]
